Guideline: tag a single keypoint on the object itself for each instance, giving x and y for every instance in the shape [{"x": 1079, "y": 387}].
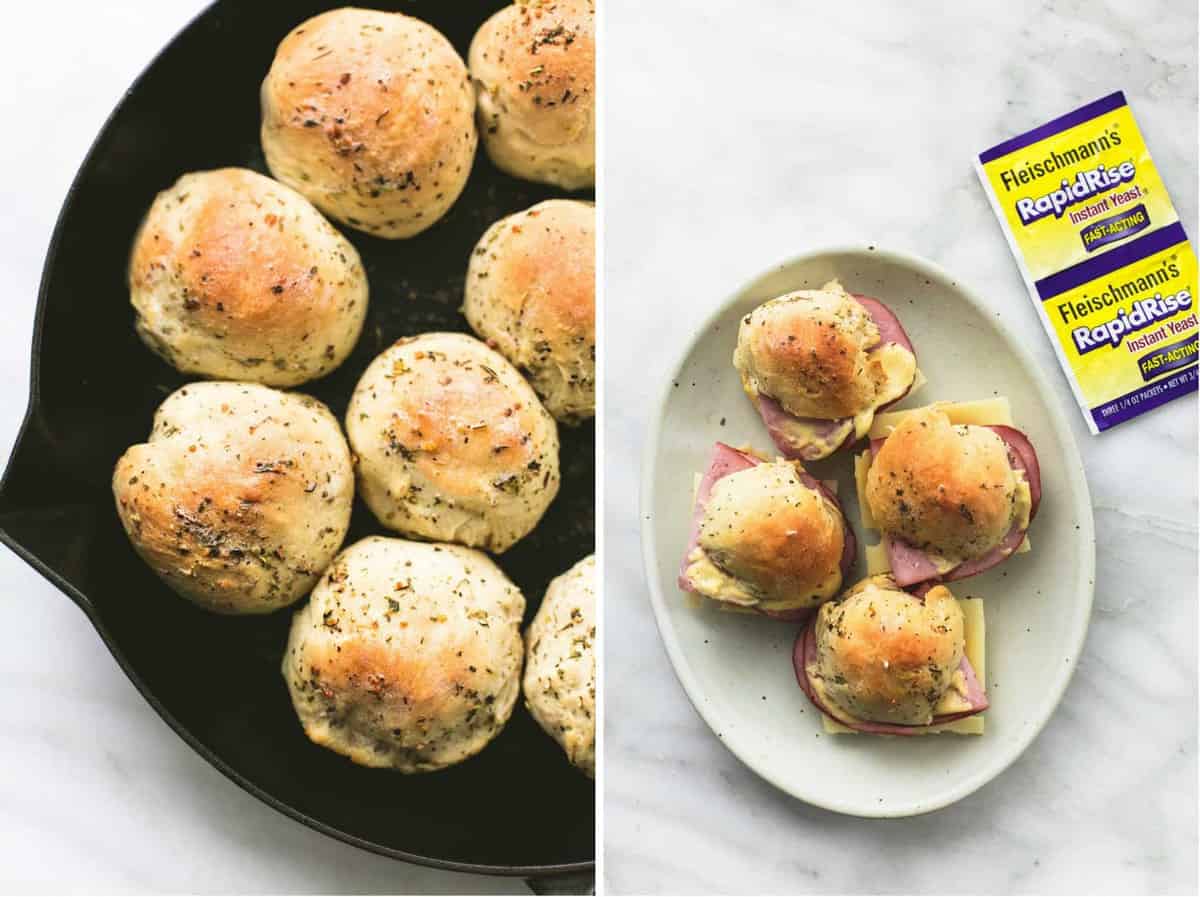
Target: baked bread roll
[
  {"x": 534, "y": 67},
  {"x": 531, "y": 293},
  {"x": 948, "y": 490},
  {"x": 771, "y": 539},
  {"x": 818, "y": 364},
  {"x": 560, "y": 664},
  {"x": 886, "y": 656},
  {"x": 408, "y": 655},
  {"x": 240, "y": 498},
  {"x": 451, "y": 443},
  {"x": 371, "y": 116},
  {"x": 234, "y": 276}
]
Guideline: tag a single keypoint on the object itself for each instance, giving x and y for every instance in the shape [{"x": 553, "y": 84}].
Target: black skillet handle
[
  {"x": 570, "y": 883},
  {"x": 41, "y": 516}
]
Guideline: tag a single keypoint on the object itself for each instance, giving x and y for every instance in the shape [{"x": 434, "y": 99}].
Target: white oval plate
[{"x": 737, "y": 670}]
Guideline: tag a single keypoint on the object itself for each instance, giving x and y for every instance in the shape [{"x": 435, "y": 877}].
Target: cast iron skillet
[{"x": 517, "y": 808}]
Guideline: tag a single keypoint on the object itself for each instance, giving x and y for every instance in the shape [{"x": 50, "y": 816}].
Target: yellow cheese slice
[
  {"x": 974, "y": 633},
  {"x": 862, "y": 464},
  {"x": 981, "y": 412},
  {"x": 877, "y": 559}
]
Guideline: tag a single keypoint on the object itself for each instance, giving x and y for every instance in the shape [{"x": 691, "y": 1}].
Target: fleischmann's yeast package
[{"x": 1104, "y": 256}]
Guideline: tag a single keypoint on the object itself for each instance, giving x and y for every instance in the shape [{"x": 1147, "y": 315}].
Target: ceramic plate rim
[{"x": 650, "y": 561}]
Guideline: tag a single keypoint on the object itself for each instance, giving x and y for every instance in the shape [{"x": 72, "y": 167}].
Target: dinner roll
[
  {"x": 531, "y": 294},
  {"x": 371, "y": 116},
  {"x": 778, "y": 537},
  {"x": 811, "y": 351},
  {"x": 408, "y": 655},
  {"x": 887, "y": 656},
  {"x": 560, "y": 665},
  {"x": 241, "y": 496},
  {"x": 451, "y": 443},
  {"x": 534, "y": 67},
  {"x": 237, "y": 277},
  {"x": 947, "y": 488}
]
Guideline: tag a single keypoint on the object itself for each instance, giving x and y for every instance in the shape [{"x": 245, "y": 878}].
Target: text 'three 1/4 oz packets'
[{"x": 1104, "y": 256}]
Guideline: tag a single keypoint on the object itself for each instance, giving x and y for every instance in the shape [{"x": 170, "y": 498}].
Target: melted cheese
[
  {"x": 974, "y": 632},
  {"x": 899, "y": 369},
  {"x": 801, "y": 433},
  {"x": 713, "y": 582}
]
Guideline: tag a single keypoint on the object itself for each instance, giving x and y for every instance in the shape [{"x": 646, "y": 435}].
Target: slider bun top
[
  {"x": 940, "y": 487},
  {"x": 780, "y": 536},
  {"x": 884, "y": 655},
  {"x": 811, "y": 351}
]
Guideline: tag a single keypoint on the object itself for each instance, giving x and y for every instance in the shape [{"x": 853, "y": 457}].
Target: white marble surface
[
  {"x": 740, "y": 133},
  {"x": 97, "y": 795}
]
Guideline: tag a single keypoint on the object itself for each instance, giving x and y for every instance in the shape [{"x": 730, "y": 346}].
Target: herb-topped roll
[
  {"x": 531, "y": 293},
  {"x": 371, "y": 115},
  {"x": 534, "y": 67},
  {"x": 451, "y": 443},
  {"x": 234, "y": 276},
  {"x": 818, "y": 364},
  {"x": 951, "y": 497},
  {"x": 766, "y": 537},
  {"x": 887, "y": 662},
  {"x": 407, "y": 656},
  {"x": 240, "y": 497},
  {"x": 560, "y": 664}
]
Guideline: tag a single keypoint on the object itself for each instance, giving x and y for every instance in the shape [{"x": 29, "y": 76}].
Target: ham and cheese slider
[
  {"x": 883, "y": 661},
  {"x": 818, "y": 364},
  {"x": 950, "y": 500},
  {"x": 766, "y": 537}
]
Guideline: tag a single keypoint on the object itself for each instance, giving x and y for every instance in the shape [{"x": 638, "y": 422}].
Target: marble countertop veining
[
  {"x": 742, "y": 133},
  {"x": 97, "y": 794}
]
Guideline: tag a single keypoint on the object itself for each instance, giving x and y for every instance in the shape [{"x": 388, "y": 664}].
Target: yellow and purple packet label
[{"x": 1105, "y": 258}]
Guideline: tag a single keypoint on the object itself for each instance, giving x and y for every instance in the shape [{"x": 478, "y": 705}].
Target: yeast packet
[{"x": 1104, "y": 256}]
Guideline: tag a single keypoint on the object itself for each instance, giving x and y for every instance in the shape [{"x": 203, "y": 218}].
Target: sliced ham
[
  {"x": 805, "y": 653},
  {"x": 779, "y": 420},
  {"x": 910, "y": 565},
  {"x": 889, "y": 326},
  {"x": 779, "y": 423},
  {"x": 1023, "y": 457},
  {"x": 726, "y": 460}
]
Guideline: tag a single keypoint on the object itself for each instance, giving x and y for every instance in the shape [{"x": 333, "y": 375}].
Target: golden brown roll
[
  {"x": 451, "y": 443},
  {"x": 811, "y": 351},
  {"x": 534, "y": 67},
  {"x": 408, "y": 656},
  {"x": 768, "y": 540},
  {"x": 560, "y": 664},
  {"x": 530, "y": 293},
  {"x": 240, "y": 498},
  {"x": 236, "y": 277},
  {"x": 886, "y": 656},
  {"x": 818, "y": 364},
  {"x": 371, "y": 116},
  {"x": 948, "y": 490}
]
